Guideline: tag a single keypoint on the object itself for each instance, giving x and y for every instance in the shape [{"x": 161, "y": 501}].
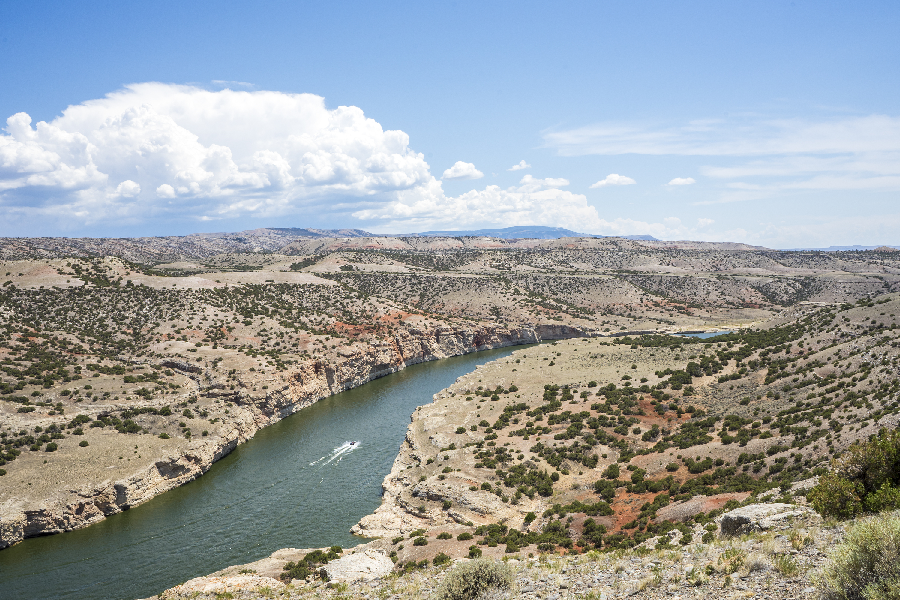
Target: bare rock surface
[
  {"x": 221, "y": 585},
  {"x": 760, "y": 517},
  {"x": 366, "y": 566}
]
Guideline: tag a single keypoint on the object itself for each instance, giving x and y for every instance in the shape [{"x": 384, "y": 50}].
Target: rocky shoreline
[{"x": 299, "y": 388}]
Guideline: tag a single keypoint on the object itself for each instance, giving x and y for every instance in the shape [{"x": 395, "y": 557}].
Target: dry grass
[{"x": 867, "y": 564}]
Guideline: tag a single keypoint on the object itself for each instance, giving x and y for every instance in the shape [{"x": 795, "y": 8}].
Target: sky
[{"x": 773, "y": 123}]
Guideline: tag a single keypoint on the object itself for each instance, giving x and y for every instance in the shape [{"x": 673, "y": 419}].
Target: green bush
[
  {"x": 51, "y": 447},
  {"x": 867, "y": 564},
  {"x": 444, "y": 536},
  {"x": 440, "y": 559},
  {"x": 83, "y": 443},
  {"x": 2, "y": 472},
  {"x": 612, "y": 471},
  {"x": 465, "y": 535},
  {"x": 309, "y": 564},
  {"x": 420, "y": 541},
  {"x": 867, "y": 477},
  {"x": 468, "y": 581}
]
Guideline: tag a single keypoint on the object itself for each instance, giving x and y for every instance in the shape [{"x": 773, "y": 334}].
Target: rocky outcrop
[
  {"x": 304, "y": 385},
  {"x": 365, "y": 566},
  {"x": 760, "y": 517},
  {"x": 223, "y": 586}
]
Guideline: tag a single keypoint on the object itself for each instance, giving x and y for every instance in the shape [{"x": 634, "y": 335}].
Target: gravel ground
[{"x": 777, "y": 564}]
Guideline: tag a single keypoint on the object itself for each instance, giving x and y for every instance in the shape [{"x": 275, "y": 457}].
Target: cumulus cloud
[
  {"x": 128, "y": 189},
  {"x": 532, "y": 201},
  {"x": 522, "y": 165},
  {"x": 462, "y": 170},
  {"x": 614, "y": 179},
  {"x": 682, "y": 181},
  {"x": 533, "y": 184},
  {"x": 177, "y": 150},
  {"x": 173, "y": 152}
]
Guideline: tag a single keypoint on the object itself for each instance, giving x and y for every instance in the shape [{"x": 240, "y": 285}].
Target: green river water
[{"x": 292, "y": 485}]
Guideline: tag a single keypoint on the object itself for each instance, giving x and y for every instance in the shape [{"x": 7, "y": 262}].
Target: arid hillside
[{"x": 128, "y": 366}]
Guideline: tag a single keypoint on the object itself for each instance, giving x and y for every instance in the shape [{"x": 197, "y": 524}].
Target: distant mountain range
[
  {"x": 527, "y": 231},
  {"x": 507, "y": 233},
  {"x": 842, "y": 248}
]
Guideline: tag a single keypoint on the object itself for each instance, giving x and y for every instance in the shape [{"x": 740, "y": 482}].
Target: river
[{"x": 295, "y": 484}]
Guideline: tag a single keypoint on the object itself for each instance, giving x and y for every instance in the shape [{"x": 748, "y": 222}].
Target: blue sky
[{"x": 772, "y": 123}]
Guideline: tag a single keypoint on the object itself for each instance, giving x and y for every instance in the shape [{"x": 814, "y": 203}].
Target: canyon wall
[{"x": 291, "y": 391}]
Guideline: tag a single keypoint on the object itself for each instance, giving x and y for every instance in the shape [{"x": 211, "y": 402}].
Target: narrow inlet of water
[{"x": 295, "y": 484}]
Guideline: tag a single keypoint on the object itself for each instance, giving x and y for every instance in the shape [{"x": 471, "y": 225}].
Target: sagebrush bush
[
  {"x": 867, "y": 478},
  {"x": 866, "y": 566},
  {"x": 468, "y": 581}
]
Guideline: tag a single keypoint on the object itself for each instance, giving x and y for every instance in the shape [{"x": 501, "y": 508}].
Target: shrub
[
  {"x": 440, "y": 559},
  {"x": 444, "y": 536},
  {"x": 866, "y": 477},
  {"x": 51, "y": 447},
  {"x": 309, "y": 564},
  {"x": 83, "y": 443},
  {"x": 420, "y": 541},
  {"x": 468, "y": 581},
  {"x": 474, "y": 552},
  {"x": 464, "y": 536},
  {"x": 867, "y": 564},
  {"x": 786, "y": 565},
  {"x": 164, "y": 436},
  {"x": 612, "y": 471},
  {"x": 2, "y": 472}
]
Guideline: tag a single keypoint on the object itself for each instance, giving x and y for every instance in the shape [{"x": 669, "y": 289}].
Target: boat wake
[{"x": 337, "y": 454}]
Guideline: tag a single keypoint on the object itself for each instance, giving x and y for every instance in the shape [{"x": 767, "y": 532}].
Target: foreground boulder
[
  {"x": 760, "y": 517},
  {"x": 366, "y": 566}
]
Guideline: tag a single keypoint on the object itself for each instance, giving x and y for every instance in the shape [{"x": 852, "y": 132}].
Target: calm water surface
[
  {"x": 704, "y": 336},
  {"x": 295, "y": 484}
]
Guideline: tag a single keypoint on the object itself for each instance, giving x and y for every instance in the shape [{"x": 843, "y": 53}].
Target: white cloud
[
  {"x": 522, "y": 165},
  {"x": 462, "y": 170},
  {"x": 224, "y": 153},
  {"x": 747, "y": 137},
  {"x": 532, "y": 201},
  {"x": 128, "y": 189},
  {"x": 532, "y": 184},
  {"x": 614, "y": 179},
  {"x": 701, "y": 223},
  {"x": 682, "y": 181},
  {"x": 165, "y": 191},
  {"x": 770, "y": 156}
]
